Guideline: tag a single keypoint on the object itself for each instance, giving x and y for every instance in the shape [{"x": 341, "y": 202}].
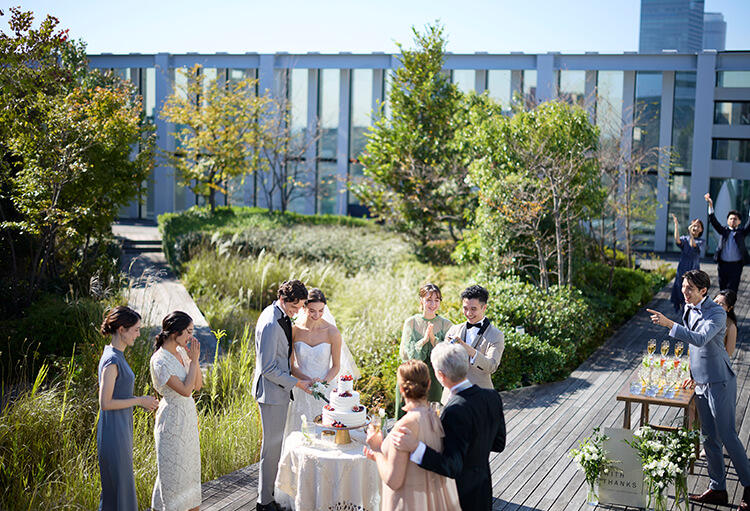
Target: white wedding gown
[{"x": 315, "y": 362}]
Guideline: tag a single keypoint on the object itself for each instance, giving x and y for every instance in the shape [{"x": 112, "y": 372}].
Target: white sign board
[{"x": 624, "y": 488}]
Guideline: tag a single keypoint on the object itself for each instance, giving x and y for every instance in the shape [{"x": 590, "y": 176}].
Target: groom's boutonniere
[{"x": 318, "y": 390}]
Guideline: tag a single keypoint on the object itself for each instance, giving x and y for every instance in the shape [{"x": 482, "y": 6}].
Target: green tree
[
  {"x": 217, "y": 131},
  {"x": 414, "y": 166},
  {"x": 67, "y": 139},
  {"x": 538, "y": 177}
]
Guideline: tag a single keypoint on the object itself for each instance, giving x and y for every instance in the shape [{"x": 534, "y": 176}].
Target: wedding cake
[{"x": 344, "y": 410}]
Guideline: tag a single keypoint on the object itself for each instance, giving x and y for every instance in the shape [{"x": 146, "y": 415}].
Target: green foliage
[
  {"x": 217, "y": 132},
  {"x": 563, "y": 326},
  {"x": 308, "y": 237},
  {"x": 537, "y": 179},
  {"x": 181, "y": 232},
  {"x": 415, "y": 170},
  {"x": 66, "y": 135},
  {"x": 526, "y": 360},
  {"x": 630, "y": 289}
]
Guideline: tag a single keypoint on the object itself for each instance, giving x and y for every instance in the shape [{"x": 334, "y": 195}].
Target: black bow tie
[{"x": 474, "y": 325}]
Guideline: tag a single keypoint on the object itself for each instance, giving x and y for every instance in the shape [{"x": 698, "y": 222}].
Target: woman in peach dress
[{"x": 407, "y": 486}]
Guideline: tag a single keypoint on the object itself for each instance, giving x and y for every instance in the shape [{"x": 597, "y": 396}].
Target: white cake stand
[{"x": 342, "y": 434}]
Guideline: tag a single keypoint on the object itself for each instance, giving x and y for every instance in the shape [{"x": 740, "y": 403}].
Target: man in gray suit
[
  {"x": 482, "y": 340},
  {"x": 716, "y": 385},
  {"x": 273, "y": 382}
]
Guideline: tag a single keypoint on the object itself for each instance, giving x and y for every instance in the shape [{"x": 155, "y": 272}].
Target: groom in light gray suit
[
  {"x": 716, "y": 385},
  {"x": 273, "y": 382},
  {"x": 482, "y": 341}
]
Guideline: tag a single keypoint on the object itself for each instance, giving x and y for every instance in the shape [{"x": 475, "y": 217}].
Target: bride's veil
[{"x": 346, "y": 360}]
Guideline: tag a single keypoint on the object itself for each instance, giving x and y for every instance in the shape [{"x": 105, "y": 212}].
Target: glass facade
[
  {"x": 733, "y": 113},
  {"x": 572, "y": 86},
  {"x": 643, "y": 219},
  {"x": 671, "y": 25}
]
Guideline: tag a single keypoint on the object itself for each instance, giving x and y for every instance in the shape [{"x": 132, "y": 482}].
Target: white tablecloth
[{"x": 321, "y": 475}]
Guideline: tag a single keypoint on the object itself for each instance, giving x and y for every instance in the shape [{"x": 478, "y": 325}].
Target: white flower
[{"x": 381, "y": 412}]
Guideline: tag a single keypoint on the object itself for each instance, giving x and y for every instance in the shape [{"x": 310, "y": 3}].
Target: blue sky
[{"x": 332, "y": 26}]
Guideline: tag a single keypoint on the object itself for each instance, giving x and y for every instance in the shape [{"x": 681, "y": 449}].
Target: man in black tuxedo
[{"x": 474, "y": 425}]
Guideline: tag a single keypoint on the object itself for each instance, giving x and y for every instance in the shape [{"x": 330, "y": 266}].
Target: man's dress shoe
[
  {"x": 271, "y": 506},
  {"x": 745, "y": 502},
  {"x": 711, "y": 497}
]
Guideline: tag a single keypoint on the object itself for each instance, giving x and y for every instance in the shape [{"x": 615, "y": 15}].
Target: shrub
[
  {"x": 527, "y": 359},
  {"x": 198, "y": 224}
]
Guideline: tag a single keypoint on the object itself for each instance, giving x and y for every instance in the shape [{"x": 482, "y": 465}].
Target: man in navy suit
[
  {"x": 731, "y": 254},
  {"x": 716, "y": 385},
  {"x": 474, "y": 425}
]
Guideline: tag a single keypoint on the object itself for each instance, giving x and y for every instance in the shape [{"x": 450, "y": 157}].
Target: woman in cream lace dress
[
  {"x": 406, "y": 485},
  {"x": 175, "y": 374}
]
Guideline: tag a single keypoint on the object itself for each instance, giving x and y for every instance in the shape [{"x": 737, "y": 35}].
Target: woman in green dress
[{"x": 421, "y": 333}]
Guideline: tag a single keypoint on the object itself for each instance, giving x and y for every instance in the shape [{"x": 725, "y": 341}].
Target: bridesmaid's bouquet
[{"x": 318, "y": 390}]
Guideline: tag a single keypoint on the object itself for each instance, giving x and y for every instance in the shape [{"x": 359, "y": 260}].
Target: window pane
[
  {"x": 682, "y": 120},
  {"x": 734, "y": 113},
  {"x": 731, "y": 149},
  {"x": 679, "y": 205},
  {"x": 465, "y": 79},
  {"x": 298, "y": 97},
  {"x": 647, "y": 110},
  {"x": 499, "y": 87},
  {"x": 609, "y": 104},
  {"x": 733, "y": 79},
  {"x": 327, "y": 179},
  {"x": 329, "y": 112},
  {"x": 529, "y": 87},
  {"x": 572, "y": 86}
]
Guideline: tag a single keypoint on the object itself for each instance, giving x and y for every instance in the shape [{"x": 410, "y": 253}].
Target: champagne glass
[
  {"x": 651, "y": 346},
  {"x": 664, "y": 348},
  {"x": 678, "y": 347}
]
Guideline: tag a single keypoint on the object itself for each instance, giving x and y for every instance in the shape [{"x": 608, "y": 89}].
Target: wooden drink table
[{"x": 683, "y": 398}]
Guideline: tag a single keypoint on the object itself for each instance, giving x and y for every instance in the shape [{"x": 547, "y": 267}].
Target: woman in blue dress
[
  {"x": 690, "y": 258},
  {"x": 114, "y": 432}
]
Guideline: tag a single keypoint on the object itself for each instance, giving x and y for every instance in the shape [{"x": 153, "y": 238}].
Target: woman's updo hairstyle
[
  {"x": 428, "y": 289},
  {"x": 414, "y": 379},
  {"x": 120, "y": 316},
  {"x": 315, "y": 295},
  {"x": 173, "y": 324}
]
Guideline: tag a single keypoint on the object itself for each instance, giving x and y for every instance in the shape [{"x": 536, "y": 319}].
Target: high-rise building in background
[
  {"x": 714, "y": 31},
  {"x": 671, "y": 25}
]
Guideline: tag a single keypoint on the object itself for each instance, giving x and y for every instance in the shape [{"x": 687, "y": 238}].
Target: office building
[
  {"x": 671, "y": 25},
  {"x": 714, "y": 31}
]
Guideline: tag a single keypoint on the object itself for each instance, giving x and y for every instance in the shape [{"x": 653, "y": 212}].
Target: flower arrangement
[
  {"x": 318, "y": 390},
  {"x": 665, "y": 456},
  {"x": 591, "y": 457},
  {"x": 383, "y": 420}
]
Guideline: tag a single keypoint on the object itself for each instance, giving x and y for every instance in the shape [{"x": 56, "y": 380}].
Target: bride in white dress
[{"x": 319, "y": 354}]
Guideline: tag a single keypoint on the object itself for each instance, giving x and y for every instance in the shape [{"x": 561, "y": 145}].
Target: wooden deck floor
[{"x": 546, "y": 421}]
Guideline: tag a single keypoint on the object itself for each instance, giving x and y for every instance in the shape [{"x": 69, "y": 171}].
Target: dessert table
[{"x": 320, "y": 474}]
